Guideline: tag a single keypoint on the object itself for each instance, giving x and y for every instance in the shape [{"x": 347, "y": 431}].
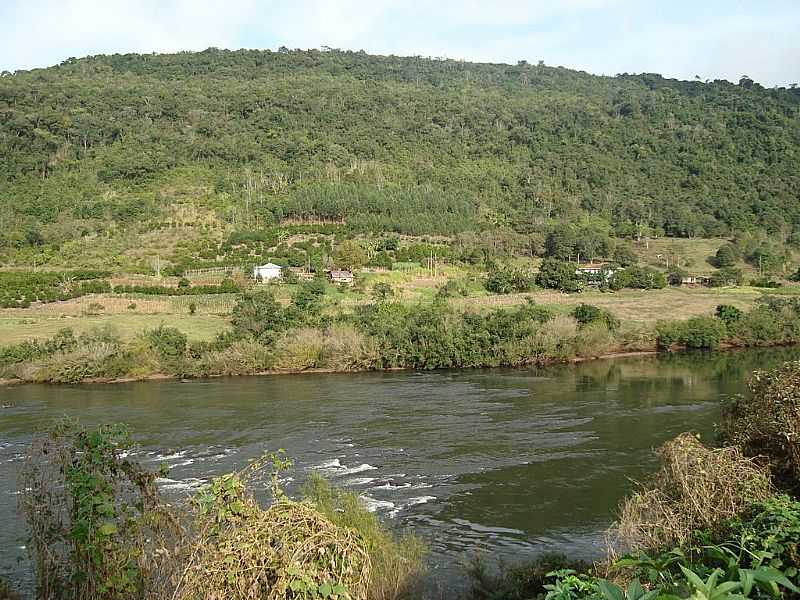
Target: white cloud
[
  {"x": 43, "y": 32},
  {"x": 714, "y": 40}
]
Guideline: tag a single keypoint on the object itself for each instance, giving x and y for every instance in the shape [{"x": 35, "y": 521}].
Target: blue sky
[{"x": 678, "y": 38}]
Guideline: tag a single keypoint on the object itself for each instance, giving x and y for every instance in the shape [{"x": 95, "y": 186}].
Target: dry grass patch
[{"x": 696, "y": 488}]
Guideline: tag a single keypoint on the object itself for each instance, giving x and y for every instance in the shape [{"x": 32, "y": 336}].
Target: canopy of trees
[{"x": 412, "y": 145}]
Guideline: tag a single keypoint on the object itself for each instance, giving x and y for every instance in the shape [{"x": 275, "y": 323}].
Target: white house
[
  {"x": 595, "y": 273},
  {"x": 267, "y": 272}
]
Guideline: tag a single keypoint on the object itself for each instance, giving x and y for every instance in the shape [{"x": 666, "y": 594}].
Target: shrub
[
  {"x": 288, "y": 550},
  {"x": 725, "y": 277},
  {"x": 396, "y": 563},
  {"x": 300, "y": 349},
  {"x": 638, "y": 277},
  {"x": 98, "y": 354},
  {"x": 451, "y": 289},
  {"x": 676, "y": 275},
  {"x": 586, "y": 314},
  {"x": 63, "y": 341},
  {"x": 241, "y": 357},
  {"x": 93, "y": 516},
  {"x": 553, "y": 341},
  {"x": 99, "y": 530},
  {"x": 771, "y": 321},
  {"x": 728, "y": 314},
  {"x": 260, "y": 315},
  {"x": 168, "y": 342},
  {"x": 594, "y": 339},
  {"x": 382, "y": 292},
  {"x": 770, "y": 529},
  {"x": 697, "y": 333},
  {"x": 726, "y": 256},
  {"x": 345, "y": 348},
  {"x": 509, "y": 281},
  {"x": 625, "y": 255},
  {"x": 765, "y": 282},
  {"x": 696, "y": 488},
  {"x": 767, "y": 423}
]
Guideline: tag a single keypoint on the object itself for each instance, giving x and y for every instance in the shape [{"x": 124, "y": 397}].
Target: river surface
[{"x": 511, "y": 463}]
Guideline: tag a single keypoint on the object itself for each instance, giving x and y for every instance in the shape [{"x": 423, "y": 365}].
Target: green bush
[
  {"x": 769, "y": 529},
  {"x": 765, "y": 282},
  {"x": 559, "y": 275},
  {"x": 509, "y": 281},
  {"x": 638, "y": 277},
  {"x": 586, "y": 314},
  {"x": 63, "y": 341},
  {"x": 725, "y": 277},
  {"x": 728, "y": 314},
  {"x": 168, "y": 342},
  {"x": 697, "y": 333}
]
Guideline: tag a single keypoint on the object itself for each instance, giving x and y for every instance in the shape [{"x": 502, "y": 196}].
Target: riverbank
[
  {"x": 268, "y": 338},
  {"x": 327, "y": 371}
]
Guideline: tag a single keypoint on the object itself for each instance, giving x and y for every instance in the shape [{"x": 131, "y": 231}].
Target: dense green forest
[{"x": 110, "y": 144}]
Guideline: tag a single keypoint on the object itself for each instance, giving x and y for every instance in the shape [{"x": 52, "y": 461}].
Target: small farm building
[{"x": 267, "y": 272}]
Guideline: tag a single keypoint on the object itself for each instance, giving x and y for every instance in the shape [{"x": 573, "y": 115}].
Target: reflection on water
[{"x": 512, "y": 462}]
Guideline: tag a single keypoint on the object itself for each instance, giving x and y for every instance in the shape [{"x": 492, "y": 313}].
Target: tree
[
  {"x": 259, "y": 315},
  {"x": 728, "y": 314},
  {"x": 509, "y": 281},
  {"x": 624, "y": 255},
  {"x": 308, "y": 298},
  {"x": 561, "y": 243},
  {"x": 350, "y": 255},
  {"x": 559, "y": 275},
  {"x": 726, "y": 256},
  {"x": 638, "y": 277}
]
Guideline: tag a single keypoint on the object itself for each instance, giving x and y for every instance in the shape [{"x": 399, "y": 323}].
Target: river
[{"x": 511, "y": 463}]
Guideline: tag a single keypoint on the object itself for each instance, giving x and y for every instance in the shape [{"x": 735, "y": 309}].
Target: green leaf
[
  {"x": 694, "y": 578},
  {"x": 635, "y": 590},
  {"x": 610, "y": 590},
  {"x": 770, "y": 574},
  {"x": 325, "y": 590}
]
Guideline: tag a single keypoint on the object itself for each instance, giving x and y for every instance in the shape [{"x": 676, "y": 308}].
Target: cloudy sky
[{"x": 679, "y": 38}]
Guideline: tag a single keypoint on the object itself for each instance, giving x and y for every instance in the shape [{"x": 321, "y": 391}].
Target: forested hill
[{"x": 413, "y": 145}]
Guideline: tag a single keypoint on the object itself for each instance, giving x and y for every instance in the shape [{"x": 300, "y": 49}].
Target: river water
[{"x": 511, "y": 463}]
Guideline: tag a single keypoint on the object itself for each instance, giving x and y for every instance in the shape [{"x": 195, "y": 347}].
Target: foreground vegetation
[{"x": 100, "y": 530}]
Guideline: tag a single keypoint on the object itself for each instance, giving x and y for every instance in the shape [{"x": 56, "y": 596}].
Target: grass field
[
  {"x": 638, "y": 306},
  {"x": 20, "y": 325},
  {"x": 642, "y": 306},
  {"x": 131, "y": 314}
]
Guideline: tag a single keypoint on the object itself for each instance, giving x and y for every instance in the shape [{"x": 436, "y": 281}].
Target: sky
[{"x": 712, "y": 39}]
